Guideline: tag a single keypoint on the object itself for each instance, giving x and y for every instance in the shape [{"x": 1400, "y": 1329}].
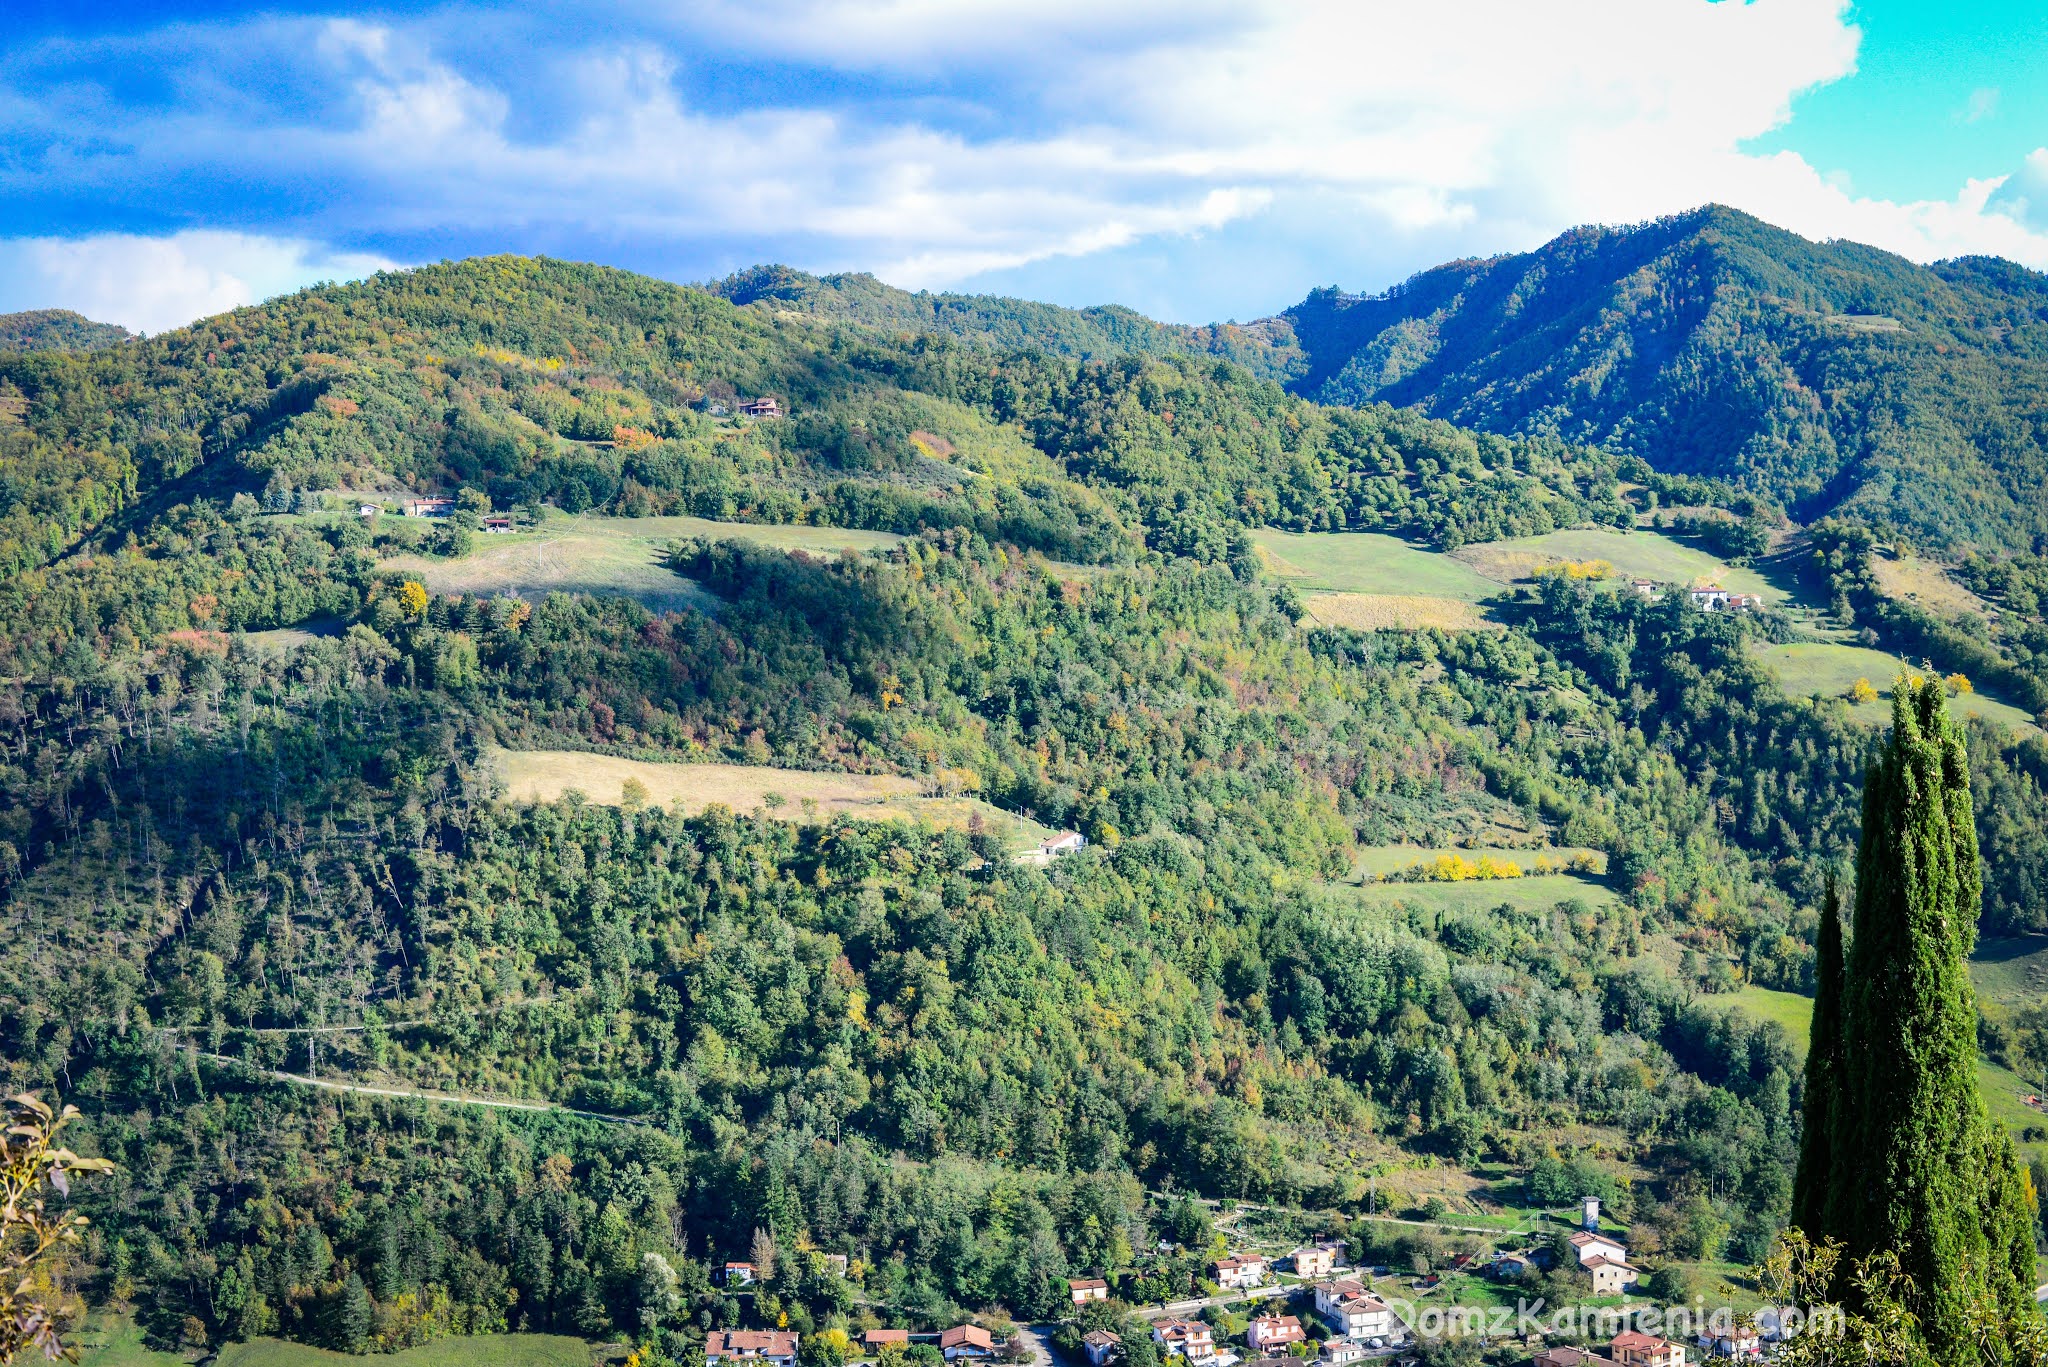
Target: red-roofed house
[
  {"x": 1631, "y": 1349},
  {"x": 750, "y": 1345},
  {"x": 1591, "y": 1246},
  {"x": 967, "y": 1341},
  {"x": 1082, "y": 1290},
  {"x": 1274, "y": 1331}
]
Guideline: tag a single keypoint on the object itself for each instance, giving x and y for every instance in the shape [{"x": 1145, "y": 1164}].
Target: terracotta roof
[
  {"x": 1629, "y": 1338},
  {"x": 1101, "y": 1338},
  {"x": 750, "y": 1343},
  {"x": 877, "y": 1337},
  {"x": 1086, "y": 1283},
  {"x": 967, "y": 1336}
]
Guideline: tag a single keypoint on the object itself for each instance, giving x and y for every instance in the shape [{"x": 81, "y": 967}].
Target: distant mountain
[
  {"x": 57, "y": 330},
  {"x": 1266, "y": 348},
  {"x": 1832, "y": 376}
]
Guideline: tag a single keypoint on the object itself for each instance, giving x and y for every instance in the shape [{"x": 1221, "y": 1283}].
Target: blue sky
[{"x": 1195, "y": 159}]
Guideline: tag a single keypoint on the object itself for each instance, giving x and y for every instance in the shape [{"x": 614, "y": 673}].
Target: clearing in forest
[
  {"x": 1806, "y": 668},
  {"x": 1369, "y": 581},
  {"x": 1378, "y": 861},
  {"x": 1530, "y": 893},
  {"x": 1911, "y": 579},
  {"x": 1633, "y": 555},
  {"x": 618, "y": 556},
  {"x": 786, "y": 794}
]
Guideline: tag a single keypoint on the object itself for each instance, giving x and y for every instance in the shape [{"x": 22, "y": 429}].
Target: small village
[{"x": 1312, "y": 1305}]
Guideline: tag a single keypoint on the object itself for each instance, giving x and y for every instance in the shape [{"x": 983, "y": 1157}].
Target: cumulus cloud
[
  {"x": 945, "y": 141},
  {"x": 149, "y": 284}
]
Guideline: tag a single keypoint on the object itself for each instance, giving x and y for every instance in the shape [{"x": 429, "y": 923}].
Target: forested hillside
[
  {"x": 249, "y": 821},
  {"x": 56, "y": 330},
  {"x": 1830, "y": 376},
  {"x": 1265, "y": 348}
]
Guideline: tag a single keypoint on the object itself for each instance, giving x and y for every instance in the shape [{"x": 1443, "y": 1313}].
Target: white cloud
[
  {"x": 942, "y": 141},
  {"x": 153, "y": 283}
]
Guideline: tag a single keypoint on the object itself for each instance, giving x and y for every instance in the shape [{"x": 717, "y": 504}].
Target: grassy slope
[
  {"x": 1637, "y": 554},
  {"x": 545, "y": 775},
  {"x": 1380, "y": 860},
  {"x": 622, "y": 556},
  {"x": 1369, "y": 562},
  {"x": 489, "y": 1350},
  {"x": 1528, "y": 894},
  {"x": 2002, "y": 1090},
  {"x": 1804, "y": 668}
]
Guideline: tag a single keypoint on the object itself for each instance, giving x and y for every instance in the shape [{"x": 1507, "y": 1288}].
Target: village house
[
  {"x": 1342, "y": 1352},
  {"x": 750, "y": 1345},
  {"x": 367, "y": 510},
  {"x": 1643, "y": 587},
  {"x": 1238, "y": 1271},
  {"x": 739, "y": 1274},
  {"x": 1589, "y": 1246},
  {"x": 1274, "y": 1331},
  {"x": 1570, "y": 1357},
  {"x": 1081, "y": 1290},
  {"x": 761, "y": 408},
  {"x": 1353, "y": 1311},
  {"x": 498, "y": 524},
  {"x": 1743, "y": 1343},
  {"x": 1101, "y": 1347},
  {"x": 1744, "y": 602},
  {"x": 969, "y": 1341},
  {"x": 875, "y": 1340},
  {"x": 1313, "y": 1263},
  {"x": 430, "y": 507},
  {"x": 1190, "y": 1339},
  {"x": 1631, "y": 1349},
  {"x": 1710, "y": 599},
  {"x": 1611, "y": 1277}
]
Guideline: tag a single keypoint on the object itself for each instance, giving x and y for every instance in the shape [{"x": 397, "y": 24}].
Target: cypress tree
[
  {"x": 1916, "y": 1168},
  {"x": 1823, "y": 1071}
]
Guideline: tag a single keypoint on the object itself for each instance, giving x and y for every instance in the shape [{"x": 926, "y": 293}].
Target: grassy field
[
  {"x": 114, "y": 1341},
  {"x": 1788, "y": 1009},
  {"x": 1371, "y": 582},
  {"x": 1805, "y": 668},
  {"x": 485, "y": 1350},
  {"x": 1377, "y": 861},
  {"x": 622, "y": 556},
  {"x": 1528, "y": 894},
  {"x": 1638, "y": 554},
  {"x": 545, "y": 775},
  {"x": 1396, "y": 612},
  {"x": 2011, "y": 972},
  {"x": 1369, "y": 562},
  {"x": 1926, "y": 583}
]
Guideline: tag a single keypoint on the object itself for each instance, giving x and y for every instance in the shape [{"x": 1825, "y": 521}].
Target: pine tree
[
  {"x": 1823, "y": 1070},
  {"x": 1915, "y": 1168}
]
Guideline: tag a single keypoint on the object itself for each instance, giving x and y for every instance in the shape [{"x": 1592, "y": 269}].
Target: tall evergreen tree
[
  {"x": 1916, "y": 1169},
  {"x": 1823, "y": 1071}
]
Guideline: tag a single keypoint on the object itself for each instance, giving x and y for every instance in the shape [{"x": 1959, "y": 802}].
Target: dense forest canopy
[
  {"x": 1830, "y": 376},
  {"x": 231, "y": 848}
]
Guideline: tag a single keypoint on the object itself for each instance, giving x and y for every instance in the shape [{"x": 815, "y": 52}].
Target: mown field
[
  {"x": 786, "y": 794},
  {"x": 1636, "y": 554},
  {"x": 1532, "y": 893},
  {"x": 1806, "y": 668},
  {"x": 2011, "y": 972},
  {"x": 1377, "y": 861},
  {"x": 620, "y": 556},
  {"x": 1368, "y": 581}
]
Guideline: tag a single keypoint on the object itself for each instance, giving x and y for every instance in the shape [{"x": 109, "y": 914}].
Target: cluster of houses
[
  {"x": 1362, "y": 1322},
  {"x": 1711, "y": 598},
  {"x": 776, "y": 1347},
  {"x": 1631, "y": 1348}
]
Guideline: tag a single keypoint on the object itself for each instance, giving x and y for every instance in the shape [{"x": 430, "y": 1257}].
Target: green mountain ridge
[
  {"x": 1831, "y": 376},
  {"x": 56, "y": 330},
  {"x": 1265, "y": 347}
]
